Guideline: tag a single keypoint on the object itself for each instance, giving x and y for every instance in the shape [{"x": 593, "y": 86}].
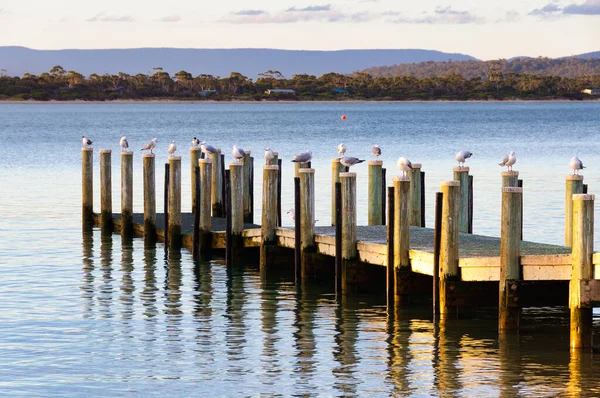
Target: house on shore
[
  {"x": 280, "y": 91},
  {"x": 591, "y": 91}
]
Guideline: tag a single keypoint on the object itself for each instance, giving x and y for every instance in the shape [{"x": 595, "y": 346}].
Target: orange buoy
[{"x": 343, "y": 117}]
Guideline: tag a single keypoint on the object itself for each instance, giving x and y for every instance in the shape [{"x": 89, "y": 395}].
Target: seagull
[
  {"x": 195, "y": 142},
  {"x": 292, "y": 214},
  {"x": 405, "y": 166},
  {"x": 576, "y": 165},
  {"x": 150, "y": 145},
  {"x": 86, "y": 141},
  {"x": 350, "y": 161},
  {"x": 208, "y": 149},
  {"x": 124, "y": 144},
  {"x": 512, "y": 159},
  {"x": 504, "y": 161},
  {"x": 238, "y": 153},
  {"x": 341, "y": 149},
  {"x": 376, "y": 150},
  {"x": 461, "y": 156},
  {"x": 172, "y": 148},
  {"x": 303, "y": 157},
  {"x": 269, "y": 155}
]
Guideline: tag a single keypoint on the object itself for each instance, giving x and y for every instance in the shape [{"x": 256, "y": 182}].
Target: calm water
[{"x": 82, "y": 313}]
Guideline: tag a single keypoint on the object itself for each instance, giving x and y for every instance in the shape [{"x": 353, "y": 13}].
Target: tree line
[{"x": 60, "y": 84}]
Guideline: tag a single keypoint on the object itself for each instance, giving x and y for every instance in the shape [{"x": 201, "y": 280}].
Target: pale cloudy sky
[{"x": 486, "y": 29}]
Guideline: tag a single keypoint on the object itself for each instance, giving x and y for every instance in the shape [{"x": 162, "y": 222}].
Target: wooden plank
[{"x": 421, "y": 262}]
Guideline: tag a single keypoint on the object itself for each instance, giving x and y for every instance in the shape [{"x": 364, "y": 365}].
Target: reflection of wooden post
[
  {"x": 349, "y": 251},
  {"x": 401, "y": 233},
  {"x": 375, "y": 192},
  {"x": 205, "y": 204},
  {"x": 149, "y": 198},
  {"x": 269, "y": 212},
  {"x": 106, "y": 190},
  {"x": 174, "y": 202},
  {"x": 87, "y": 186},
  {"x": 127, "y": 194},
  {"x": 217, "y": 185},
  {"x": 236, "y": 170},
  {"x": 574, "y": 186},
  {"x": 415, "y": 195},
  {"x": 582, "y": 269},
  {"x": 510, "y": 253},
  {"x": 194, "y": 157},
  {"x": 449, "y": 241},
  {"x": 307, "y": 219},
  {"x": 461, "y": 174},
  {"x": 336, "y": 169}
]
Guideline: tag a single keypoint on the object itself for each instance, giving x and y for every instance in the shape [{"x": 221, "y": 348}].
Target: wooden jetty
[{"x": 462, "y": 269}]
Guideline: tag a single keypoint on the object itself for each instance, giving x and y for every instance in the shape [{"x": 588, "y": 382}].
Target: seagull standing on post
[
  {"x": 405, "y": 166},
  {"x": 195, "y": 142},
  {"x": 341, "y": 149},
  {"x": 208, "y": 149},
  {"x": 172, "y": 148},
  {"x": 348, "y": 161},
  {"x": 124, "y": 144},
  {"x": 303, "y": 157},
  {"x": 512, "y": 159},
  {"x": 376, "y": 150},
  {"x": 576, "y": 165},
  {"x": 150, "y": 145},
  {"x": 86, "y": 141},
  {"x": 461, "y": 156},
  {"x": 269, "y": 155},
  {"x": 238, "y": 153}
]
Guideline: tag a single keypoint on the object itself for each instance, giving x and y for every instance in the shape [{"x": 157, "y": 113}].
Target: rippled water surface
[{"x": 87, "y": 314}]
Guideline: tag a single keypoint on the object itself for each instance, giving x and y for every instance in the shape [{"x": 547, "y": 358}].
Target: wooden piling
[
  {"x": 574, "y": 185},
  {"x": 449, "y": 242},
  {"x": 174, "y": 203},
  {"x": 227, "y": 211},
  {"x": 336, "y": 169},
  {"x": 298, "y": 166},
  {"x": 297, "y": 233},
  {"x": 149, "y": 198},
  {"x": 383, "y": 195},
  {"x": 247, "y": 202},
  {"x": 196, "y": 230},
  {"x": 269, "y": 213},
  {"x": 195, "y": 154},
  {"x": 375, "y": 192},
  {"x": 349, "y": 250},
  {"x": 402, "y": 191},
  {"x": 422, "y": 199},
  {"x": 166, "y": 206},
  {"x": 279, "y": 215},
  {"x": 127, "y": 194},
  {"x": 510, "y": 179},
  {"x": 224, "y": 181},
  {"x": 205, "y": 204},
  {"x": 307, "y": 220},
  {"x": 415, "y": 195},
  {"x": 510, "y": 253},
  {"x": 87, "y": 186},
  {"x": 390, "y": 270},
  {"x": 437, "y": 239},
  {"x": 582, "y": 269},
  {"x": 216, "y": 188},
  {"x": 106, "y": 190},
  {"x": 461, "y": 174},
  {"x": 338, "y": 238},
  {"x": 236, "y": 170},
  {"x": 470, "y": 199}
]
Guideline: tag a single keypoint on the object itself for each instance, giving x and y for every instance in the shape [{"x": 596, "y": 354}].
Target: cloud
[
  {"x": 510, "y": 16},
  {"x": 249, "y": 12},
  {"x": 102, "y": 17},
  {"x": 590, "y": 7},
  {"x": 320, "y": 13},
  {"x": 170, "y": 18},
  {"x": 445, "y": 16},
  {"x": 551, "y": 9},
  {"x": 326, "y": 7}
]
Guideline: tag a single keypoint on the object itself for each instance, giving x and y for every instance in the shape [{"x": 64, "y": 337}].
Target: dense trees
[{"x": 495, "y": 83}]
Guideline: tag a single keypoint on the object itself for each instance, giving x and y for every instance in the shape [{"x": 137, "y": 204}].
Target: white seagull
[
  {"x": 238, "y": 153},
  {"x": 269, "y": 155},
  {"x": 350, "y": 161},
  {"x": 576, "y": 165},
  {"x": 512, "y": 159},
  {"x": 461, "y": 156},
  {"x": 124, "y": 144},
  {"x": 504, "y": 161},
  {"x": 376, "y": 150},
  {"x": 208, "y": 149},
  {"x": 405, "y": 166},
  {"x": 86, "y": 141},
  {"x": 172, "y": 148},
  {"x": 150, "y": 145},
  {"x": 303, "y": 157},
  {"x": 341, "y": 149},
  {"x": 292, "y": 214},
  {"x": 195, "y": 142}
]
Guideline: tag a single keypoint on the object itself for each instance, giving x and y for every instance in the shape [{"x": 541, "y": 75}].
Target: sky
[{"x": 487, "y": 29}]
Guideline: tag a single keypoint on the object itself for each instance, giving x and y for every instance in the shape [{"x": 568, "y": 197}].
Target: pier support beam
[
  {"x": 307, "y": 222},
  {"x": 449, "y": 245},
  {"x": 336, "y": 169},
  {"x": 349, "y": 251},
  {"x": 415, "y": 195},
  {"x": 217, "y": 185},
  {"x": 247, "y": 185},
  {"x": 402, "y": 269},
  {"x": 106, "y": 190},
  {"x": 87, "y": 187},
  {"x": 174, "y": 232},
  {"x": 582, "y": 269},
  {"x": 574, "y": 185},
  {"x": 194, "y": 157},
  {"x": 149, "y": 198},
  {"x": 236, "y": 171},
  {"x": 510, "y": 254},
  {"x": 205, "y": 203},
  {"x": 461, "y": 174},
  {"x": 269, "y": 215},
  {"x": 127, "y": 194},
  {"x": 375, "y": 192},
  {"x": 510, "y": 179}
]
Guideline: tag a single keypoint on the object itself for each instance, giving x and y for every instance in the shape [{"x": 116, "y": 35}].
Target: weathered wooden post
[
  {"x": 195, "y": 153},
  {"x": 449, "y": 243},
  {"x": 422, "y": 199},
  {"x": 349, "y": 251},
  {"x": 279, "y": 220},
  {"x": 127, "y": 194},
  {"x": 461, "y": 174},
  {"x": 574, "y": 186},
  {"x": 437, "y": 239},
  {"x": 236, "y": 171},
  {"x": 401, "y": 235},
  {"x": 269, "y": 213},
  {"x": 149, "y": 198},
  {"x": 106, "y": 190},
  {"x": 217, "y": 184},
  {"x": 247, "y": 203},
  {"x": 415, "y": 195},
  {"x": 336, "y": 169},
  {"x": 390, "y": 270},
  {"x": 510, "y": 179},
  {"x": 510, "y": 257},
  {"x": 87, "y": 186},
  {"x": 375, "y": 192},
  {"x": 383, "y": 195},
  {"x": 338, "y": 238},
  {"x": 174, "y": 232},
  {"x": 298, "y": 166},
  {"x": 205, "y": 204},
  {"x": 582, "y": 269},
  {"x": 307, "y": 220}
]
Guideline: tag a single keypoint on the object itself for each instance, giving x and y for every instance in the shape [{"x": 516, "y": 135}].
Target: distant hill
[
  {"x": 217, "y": 62},
  {"x": 564, "y": 67},
  {"x": 595, "y": 54}
]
